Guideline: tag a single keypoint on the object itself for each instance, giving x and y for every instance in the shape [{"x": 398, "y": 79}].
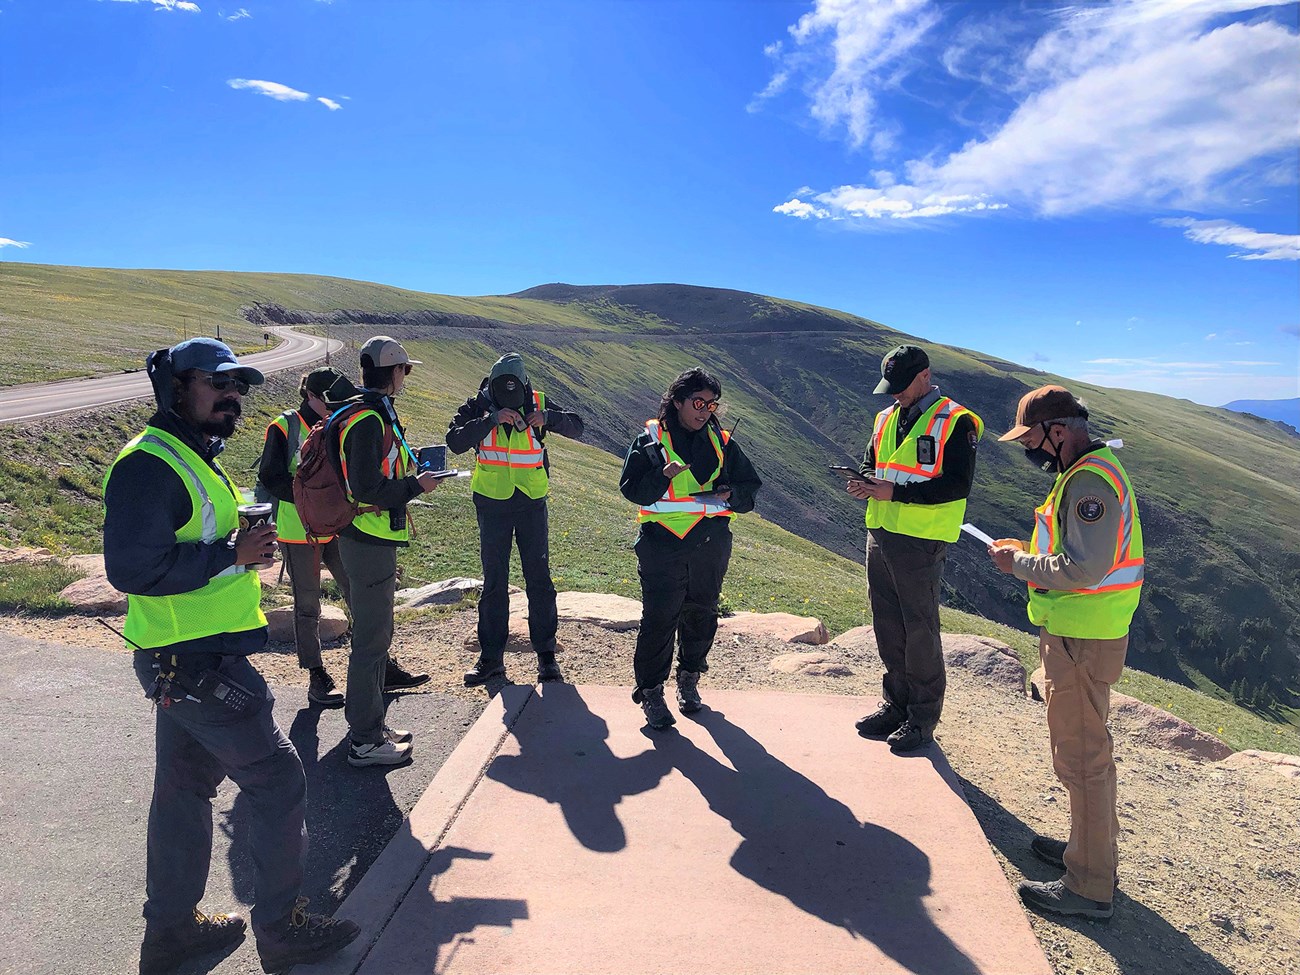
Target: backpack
[{"x": 319, "y": 491}]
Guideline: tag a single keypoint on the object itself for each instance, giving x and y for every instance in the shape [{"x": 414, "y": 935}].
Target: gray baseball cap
[{"x": 386, "y": 351}]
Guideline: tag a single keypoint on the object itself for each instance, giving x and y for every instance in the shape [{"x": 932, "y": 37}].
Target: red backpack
[{"x": 319, "y": 490}]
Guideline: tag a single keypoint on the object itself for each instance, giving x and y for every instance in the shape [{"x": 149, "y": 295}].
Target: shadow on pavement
[
  {"x": 351, "y": 815},
  {"x": 1140, "y": 940},
  {"x": 586, "y": 780},
  {"x": 809, "y": 848}
]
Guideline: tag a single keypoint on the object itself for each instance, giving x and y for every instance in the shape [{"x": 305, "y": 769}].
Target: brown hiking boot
[
  {"x": 165, "y": 949},
  {"x": 300, "y": 938}
]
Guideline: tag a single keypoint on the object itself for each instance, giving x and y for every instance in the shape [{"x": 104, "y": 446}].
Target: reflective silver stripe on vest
[
  {"x": 692, "y": 507},
  {"x": 207, "y": 513},
  {"x": 944, "y": 421}
]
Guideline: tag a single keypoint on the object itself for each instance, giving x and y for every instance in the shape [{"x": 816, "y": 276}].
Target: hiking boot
[
  {"x": 1055, "y": 898},
  {"x": 688, "y": 691},
  {"x": 656, "y": 711},
  {"x": 300, "y": 938},
  {"x": 321, "y": 689},
  {"x": 909, "y": 737},
  {"x": 484, "y": 670},
  {"x": 1049, "y": 850},
  {"x": 385, "y": 752},
  {"x": 883, "y": 721},
  {"x": 1053, "y": 851},
  {"x": 398, "y": 678},
  {"x": 547, "y": 668},
  {"x": 398, "y": 736},
  {"x": 164, "y": 949}
]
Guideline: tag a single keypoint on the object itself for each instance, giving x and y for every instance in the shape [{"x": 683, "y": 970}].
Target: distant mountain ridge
[{"x": 1283, "y": 410}]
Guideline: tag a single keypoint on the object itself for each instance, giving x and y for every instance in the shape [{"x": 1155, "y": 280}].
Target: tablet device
[
  {"x": 442, "y": 474},
  {"x": 710, "y": 497},
  {"x": 849, "y": 474}
]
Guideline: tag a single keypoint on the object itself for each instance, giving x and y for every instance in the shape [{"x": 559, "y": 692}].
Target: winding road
[{"x": 35, "y": 400}]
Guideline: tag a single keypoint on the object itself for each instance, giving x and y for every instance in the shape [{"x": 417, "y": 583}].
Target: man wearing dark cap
[
  {"x": 172, "y": 542},
  {"x": 303, "y": 555},
  {"x": 506, "y": 423},
  {"x": 919, "y": 467},
  {"x": 1084, "y": 567}
]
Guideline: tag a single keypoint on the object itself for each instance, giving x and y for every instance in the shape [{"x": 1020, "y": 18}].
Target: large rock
[
  {"x": 28, "y": 555},
  {"x": 91, "y": 565},
  {"x": 780, "y": 626},
  {"x": 333, "y": 624},
  {"x": 1287, "y": 766},
  {"x": 984, "y": 657},
  {"x": 1152, "y": 726},
  {"x": 93, "y": 594},
  {"x": 813, "y": 663},
  {"x": 616, "y": 613},
  {"x": 278, "y": 574},
  {"x": 438, "y": 593},
  {"x": 858, "y": 638},
  {"x": 1038, "y": 684}
]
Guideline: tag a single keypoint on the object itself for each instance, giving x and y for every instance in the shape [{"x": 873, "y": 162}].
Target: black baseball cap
[{"x": 899, "y": 367}]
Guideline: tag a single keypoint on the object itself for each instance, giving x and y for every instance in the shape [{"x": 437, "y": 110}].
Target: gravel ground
[{"x": 1209, "y": 855}]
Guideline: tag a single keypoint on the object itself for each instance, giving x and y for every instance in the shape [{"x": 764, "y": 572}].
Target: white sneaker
[{"x": 378, "y": 753}]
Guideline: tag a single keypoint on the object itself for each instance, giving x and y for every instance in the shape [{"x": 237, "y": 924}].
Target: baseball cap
[
  {"x": 386, "y": 351},
  {"x": 899, "y": 367},
  {"x": 212, "y": 356},
  {"x": 1043, "y": 404},
  {"x": 321, "y": 379}
]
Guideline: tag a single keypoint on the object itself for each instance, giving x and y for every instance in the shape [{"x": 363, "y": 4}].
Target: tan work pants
[{"x": 1079, "y": 674}]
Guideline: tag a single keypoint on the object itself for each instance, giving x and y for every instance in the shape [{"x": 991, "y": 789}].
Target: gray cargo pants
[
  {"x": 198, "y": 744},
  {"x": 304, "y": 561},
  {"x": 372, "y": 575},
  {"x": 903, "y": 579}
]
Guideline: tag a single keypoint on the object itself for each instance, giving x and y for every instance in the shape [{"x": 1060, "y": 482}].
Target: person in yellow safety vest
[
  {"x": 1084, "y": 567},
  {"x": 281, "y": 453},
  {"x": 173, "y": 543},
  {"x": 917, "y": 474},
  {"x": 688, "y": 479},
  {"x": 380, "y": 472},
  {"x": 505, "y": 423}
]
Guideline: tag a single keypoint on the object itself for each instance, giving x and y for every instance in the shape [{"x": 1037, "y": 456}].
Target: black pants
[
  {"x": 903, "y": 577},
  {"x": 680, "y": 584},
  {"x": 500, "y": 523}
]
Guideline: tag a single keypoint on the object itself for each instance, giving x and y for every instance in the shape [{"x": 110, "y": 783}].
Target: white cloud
[
  {"x": 239, "y": 14},
  {"x": 185, "y": 5},
  {"x": 271, "y": 89},
  {"x": 20, "y": 244},
  {"x": 1260, "y": 246},
  {"x": 797, "y": 208},
  {"x": 329, "y": 103},
  {"x": 1211, "y": 382},
  {"x": 1212, "y": 336},
  {"x": 1137, "y": 104}
]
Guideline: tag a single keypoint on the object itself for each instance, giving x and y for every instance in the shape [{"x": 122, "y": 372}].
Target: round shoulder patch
[{"x": 1090, "y": 508}]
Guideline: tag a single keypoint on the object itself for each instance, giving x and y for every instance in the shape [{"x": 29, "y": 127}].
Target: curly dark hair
[{"x": 694, "y": 380}]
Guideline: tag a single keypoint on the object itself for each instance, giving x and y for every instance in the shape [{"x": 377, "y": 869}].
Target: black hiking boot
[
  {"x": 321, "y": 689},
  {"x": 165, "y": 949},
  {"x": 547, "y": 669},
  {"x": 1056, "y": 898},
  {"x": 300, "y": 938},
  {"x": 883, "y": 721},
  {"x": 656, "y": 710},
  {"x": 398, "y": 678},
  {"x": 1049, "y": 850},
  {"x": 688, "y": 692},
  {"x": 909, "y": 737},
  {"x": 484, "y": 670}
]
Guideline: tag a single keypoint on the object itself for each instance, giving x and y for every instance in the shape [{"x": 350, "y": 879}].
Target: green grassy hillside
[{"x": 1217, "y": 490}]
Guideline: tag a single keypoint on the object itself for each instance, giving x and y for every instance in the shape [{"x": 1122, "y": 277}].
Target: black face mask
[
  {"x": 1045, "y": 460},
  {"x": 508, "y": 392}
]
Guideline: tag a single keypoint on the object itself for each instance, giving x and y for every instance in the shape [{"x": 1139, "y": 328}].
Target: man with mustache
[{"x": 173, "y": 543}]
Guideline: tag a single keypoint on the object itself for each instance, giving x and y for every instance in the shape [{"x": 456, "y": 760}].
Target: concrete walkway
[{"x": 762, "y": 836}]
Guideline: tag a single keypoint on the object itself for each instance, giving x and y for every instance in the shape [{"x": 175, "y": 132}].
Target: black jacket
[
  {"x": 145, "y": 504},
  {"x": 364, "y": 452},
  {"x": 273, "y": 472},
  {"x": 643, "y": 483}
]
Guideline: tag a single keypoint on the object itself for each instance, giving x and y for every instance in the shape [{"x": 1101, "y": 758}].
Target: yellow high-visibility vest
[
  {"x": 395, "y": 465},
  {"x": 1103, "y": 611},
  {"x": 289, "y": 527},
  {"x": 904, "y": 465},
  {"x": 677, "y": 510},
  {"x": 230, "y": 601},
  {"x": 516, "y": 459}
]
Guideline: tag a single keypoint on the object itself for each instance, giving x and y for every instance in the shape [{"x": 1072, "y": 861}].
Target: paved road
[
  {"x": 47, "y": 399},
  {"x": 76, "y": 774}
]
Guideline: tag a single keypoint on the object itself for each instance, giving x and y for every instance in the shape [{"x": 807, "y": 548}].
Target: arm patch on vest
[
  {"x": 925, "y": 450},
  {"x": 1090, "y": 509}
]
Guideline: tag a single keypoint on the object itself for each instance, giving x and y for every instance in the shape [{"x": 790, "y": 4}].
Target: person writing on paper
[
  {"x": 684, "y": 544},
  {"x": 921, "y": 464},
  {"x": 1084, "y": 568}
]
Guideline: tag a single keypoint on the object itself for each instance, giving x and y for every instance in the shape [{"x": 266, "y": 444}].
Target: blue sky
[{"x": 1108, "y": 191}]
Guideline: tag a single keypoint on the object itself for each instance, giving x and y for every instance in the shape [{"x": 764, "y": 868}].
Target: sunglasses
[
  {"x": 705, "y": 404},
  {"x": 224, "y": 384},
  {"x": 406, "y": 368}
]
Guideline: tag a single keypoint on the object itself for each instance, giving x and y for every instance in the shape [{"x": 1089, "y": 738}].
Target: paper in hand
[{"x": 974, "y": 532}]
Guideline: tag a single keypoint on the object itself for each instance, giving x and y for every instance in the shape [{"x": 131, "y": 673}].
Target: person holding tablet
[{"x": 689, "y": 479}]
